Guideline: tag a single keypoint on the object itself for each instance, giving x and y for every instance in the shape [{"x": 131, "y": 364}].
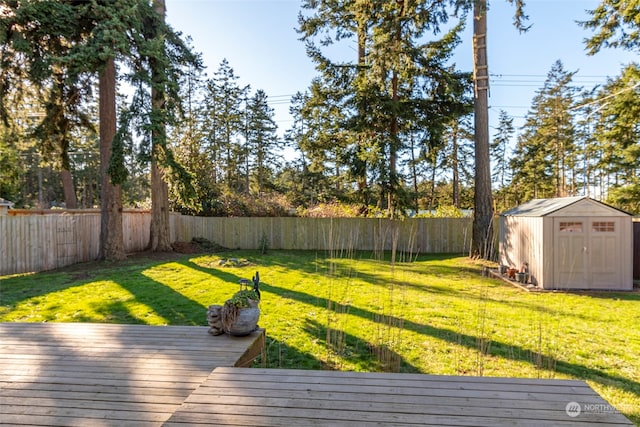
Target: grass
[{"x": 354, "y": 311}]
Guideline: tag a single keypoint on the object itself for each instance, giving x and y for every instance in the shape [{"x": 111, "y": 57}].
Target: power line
[{"x": 595, "y": 101}]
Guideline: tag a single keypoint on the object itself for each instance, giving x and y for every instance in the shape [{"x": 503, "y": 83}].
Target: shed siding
[
  {"x": 522, "y": 242},
  {"x": 636, "y": 249},
  {"x": 627, "y": 253}
]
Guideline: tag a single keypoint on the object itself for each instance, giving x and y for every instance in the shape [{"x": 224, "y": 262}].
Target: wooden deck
[
  {"x": 80, "y": 374},
  {"x": 286, "y": 398}
]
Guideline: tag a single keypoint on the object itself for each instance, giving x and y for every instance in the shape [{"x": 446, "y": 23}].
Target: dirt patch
[
  {"x": 197, "y": 245},
  {"x": 186, "y": 247}
]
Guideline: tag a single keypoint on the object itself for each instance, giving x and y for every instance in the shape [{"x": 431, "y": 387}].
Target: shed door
[
  {"x": 587, "y": 253},
  {"x": 605, "y": 253},
  {"x": 570, "y": 243}
]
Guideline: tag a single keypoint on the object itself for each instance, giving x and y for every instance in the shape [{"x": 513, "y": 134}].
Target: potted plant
[{"x": 240, "y": 313}]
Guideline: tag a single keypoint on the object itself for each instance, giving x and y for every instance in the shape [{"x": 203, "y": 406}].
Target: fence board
[{"x": 37, "y": 242}]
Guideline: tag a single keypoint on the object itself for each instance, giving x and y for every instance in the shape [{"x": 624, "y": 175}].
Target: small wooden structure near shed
[
  {"x": 5, "y": 205},
  {"x": 569, "y": 243}
]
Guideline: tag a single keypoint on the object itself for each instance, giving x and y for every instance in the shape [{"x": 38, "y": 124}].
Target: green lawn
[{"x": 436, "y": 314}]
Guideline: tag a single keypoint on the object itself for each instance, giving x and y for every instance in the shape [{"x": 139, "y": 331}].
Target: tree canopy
[{"x": 386, "y": 130}]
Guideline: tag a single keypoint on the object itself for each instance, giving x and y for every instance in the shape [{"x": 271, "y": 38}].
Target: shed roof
[
  {"x": 543, "y": 207},
  {"x": 4, "y": 202}
]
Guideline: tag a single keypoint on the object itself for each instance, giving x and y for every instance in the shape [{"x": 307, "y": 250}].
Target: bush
[{"x": 341, "y": 210}]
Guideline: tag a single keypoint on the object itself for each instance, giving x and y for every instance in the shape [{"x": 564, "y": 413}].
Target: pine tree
[
  {"x": 482, "y": 235},
  {"x": 223, "y": 124},
  {"x": 28, "y": 44},
  {"x": 617, "y": 131},
  {"x": 187, "y": 138},
  {"x": 78, "y": 40},
  {"x": 546, "y": 153},
  {"x": 298, "y": 137},
  {"x": 262, "y": 140},
  {"x": 500, "y": 148},
  {"x": 159, "y": 240},
  {"x": 394, "y": 84},
  {"x": 500, "y": 156}
]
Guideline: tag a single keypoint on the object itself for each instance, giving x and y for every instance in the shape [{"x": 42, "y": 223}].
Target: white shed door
[
  {"x": 605, "y": 253},
  {"x": 587, "y": 253}
]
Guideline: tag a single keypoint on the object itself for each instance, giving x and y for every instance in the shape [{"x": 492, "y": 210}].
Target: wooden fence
[
  {"x": 44, "y": 241},
  {"x": 424, "y": 235}
]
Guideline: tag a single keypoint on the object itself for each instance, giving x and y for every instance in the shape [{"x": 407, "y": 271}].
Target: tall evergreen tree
[
  {"x": 36, "y": 35},
  {"x": 67, "y": 39},
  {"x": 394, "y": 82},
  {"x": 481, "y": 240},
  {"x": 616, "y": 24},
  {"x": 87, "y": 39},
  {"x": 587, "y": 155},
  {"x": 460, "y": 143},
  {"x": 532, "y": 170},
  {"x": 617, "y": 131},
  {"x": 546, "y": 153},
  {"x": 159, "y": 240},
  {"x": 482, "y": 235},
  {"x": 111, "y": 235},
  {"x": 262, "y": 140},
  {"x": 223, "y": 124},
  {"x": 500, "y": 148},
  {"x": 298, "y": 136},
  {"x": 187, "y": 138},
  {"x": 500, "y": 156},
  {"x": 323, "y": 143}
]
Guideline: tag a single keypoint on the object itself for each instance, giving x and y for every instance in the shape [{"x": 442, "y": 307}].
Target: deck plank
[
  {"x": 134, "y": 375},
  {"x": 280, "y": 397},
  {"x": 107, "y": 375}
]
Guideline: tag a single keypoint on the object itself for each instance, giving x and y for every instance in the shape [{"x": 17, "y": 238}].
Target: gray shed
[{"x": 569, "y": 243}]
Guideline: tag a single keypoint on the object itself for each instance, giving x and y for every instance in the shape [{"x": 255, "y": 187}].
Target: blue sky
[{"x": 258, "y": 39}]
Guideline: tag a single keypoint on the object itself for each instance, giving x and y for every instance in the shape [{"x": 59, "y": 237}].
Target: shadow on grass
[
  {"x": 162, "y": 300},
  {"x": 501, "y": 349},
  {"x": 357, "y": 351},
  {"x": 225, "y": 274},
  {"x": 172, "y": 305},
  {"x": 165, "y": 302},
  {"x": 281, "y": 355}
]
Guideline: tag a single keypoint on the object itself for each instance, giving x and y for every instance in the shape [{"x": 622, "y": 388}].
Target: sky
[{"x": 258, "y": 39}]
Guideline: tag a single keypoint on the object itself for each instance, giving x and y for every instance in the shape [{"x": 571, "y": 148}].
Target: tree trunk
[
  {"x": 159, "y": 232},
  {"x": 362, "y": 137},
  {"x": 482, "y": 235},
  {"x": 159, "y": 237},
  {"x": 414, "y": 177},
  {"x": 392, "y": 195},
  {"x": 454, "y": 166},
  {"x": 432, "y": 197},
  {"x": 70, "y": 199},
  {"x": 111, "y": 236}
]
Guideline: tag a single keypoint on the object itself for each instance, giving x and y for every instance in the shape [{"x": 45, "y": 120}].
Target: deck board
[
  {"x": 107, "y": 375},
  {"x": 57, "y": 374},
  {"x": 280, "y": 397}
]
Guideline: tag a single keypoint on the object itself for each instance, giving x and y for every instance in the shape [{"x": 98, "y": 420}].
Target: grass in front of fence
[{"x": 434, "y": 314}]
